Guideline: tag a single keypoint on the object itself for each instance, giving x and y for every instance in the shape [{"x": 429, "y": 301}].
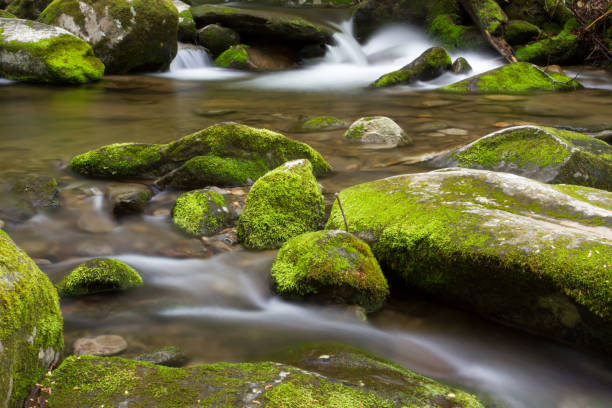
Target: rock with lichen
[
  {"x": 34, "y": 52},
  {"x": 348, "y": 378},
  {"x": 542, "y": 153},
  {"x": 520, "y": 77},
  {"x": 99, "y": 275},
  {"x": 429, "y": 65},
  {"x": 377, "y": 130},
  {"x": 330, "y": 266},
  {"x": 31, "y": 339},
  {"x": 128, "y": 36},
  {"x": 282, "y": 204},
  {"x": 202, "y": 213},
  {"x": 516, "y": 250}
]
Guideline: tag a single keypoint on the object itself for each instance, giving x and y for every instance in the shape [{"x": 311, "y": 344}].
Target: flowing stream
[{"x": 220, "y": 308}]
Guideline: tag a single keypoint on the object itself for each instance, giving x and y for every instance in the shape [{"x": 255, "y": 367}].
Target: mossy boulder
[
  {"x": 236, "y": 57},
  {"x": 99, "y": 275},
  {"x": 31, "y": 337},
  {"x": 319, "y": 124},
  {"x": 488, "y": 14},
  {"x": 521, "y": 32},
  {"x": 6, "y": 14},
  {"x": 201, "y": 213},
  {"x": 541, "y": 153},
  {"x": 377, "y": 130},
  {"x": 251, "y": 147},
  {"x": 217, "y": 39},
  {"x": 23, "y": 195},
  {"x": 429, "y": 65},
  {"x": 113, "y": 381},
  {"x": 128, "y": 36},
  {"x": 564, "y": 48},
  {"x": 284, "y": 203},
  {"x": 258, "y": 24},
  {"x": 510, "y": 248},
  {"x": 202, "y": 171},
  {"x": 35, "y": 52},
  {"x": 332, "y": 266},
  {"x": 187, "y": 30},
  {"x": 521, "y": 77},
  {"x": 446, "y": 31},
  {"x": 461, "y": 66}
]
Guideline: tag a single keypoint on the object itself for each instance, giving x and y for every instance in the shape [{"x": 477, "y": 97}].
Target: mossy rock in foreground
[
  {"x": 35, "y": 52},
  {"x": 429, "y": 65},
  {"x": 510, "y": 248},
  {"x": 253, "y": 148},
  {"x": 541, "y": 153},
  {"x": 330, "y": 266},
  {"x": 99, "y": 275},
  {"x": 201, "y": 212},
  {"x": 520, "y": 77},
  {"x": 282, "y": 204},
  {"x": 356, "y": 380},
  {"x": 31, "y": 337}
]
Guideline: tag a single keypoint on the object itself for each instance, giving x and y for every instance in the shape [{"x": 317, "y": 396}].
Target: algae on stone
[
  {"x": 546, "y": 154},
  {"x": 282, "y": 204},
  {"x": 31, "y": 324},
  {"x": 99, "y": 275},
  {"x": 330, "y": 266},
  {"x": 510, "y": 248},
  {"x": 201, "y": 213}
]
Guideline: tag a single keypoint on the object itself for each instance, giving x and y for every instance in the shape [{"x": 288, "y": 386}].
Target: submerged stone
[
  {"x": 521, "y": 77},
  {"x": 429, "y": 65},
  {"x": 332, "y": 266},
  {"x": 128, "y": 36},
  {"x": 99, "y": 275},
  {"x": 31, "y": 323},
  {"x": 22, "y": 195},
  {"x": 546, "y": 154},
  {"x": 128, "y": 198},
  {"x": 354, "y": 379},
  {"x": 36, "y": 52},
  {"x": 282, "y": 204},
  {"x": 510, "y": 248},
  {"x": 320, "y": 124},
  {"x": 377, "y": 130},
  {"x": 201, "y": 213}
]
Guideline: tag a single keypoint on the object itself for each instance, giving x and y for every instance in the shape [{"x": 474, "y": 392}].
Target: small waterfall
[
  {"x": 346, "y": 49},
  {"x": 190, "y": 57}
]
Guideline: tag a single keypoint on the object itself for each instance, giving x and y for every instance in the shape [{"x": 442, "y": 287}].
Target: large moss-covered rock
[
  {"x": 30, "y": 324},
  {"x": 565, "y": 47},
  {"x": 510, "y": 248},
  {"x": 521, "y": 32},
  {"x": 284, "y": 203},
  {"x": 217, "y": 39},
  {"x": 128, "y": 36},
  {"x": 354, "y": 379},
  {"x": 258, "y": 25},
  {"x": 35, "y": 52},
  {"x": 99, "y": 275},
  {"x": 253, "y": 148},
  {"x": 332, "y": 266},
  {"x": 187, "y": 30},
  {"x": 429, "y": 65},
  {"x": 22, "y": 195},
  {"x": 520, "y": 77},
  {"x": 201, "y": 212},
  {"x": 541, "y": 153}
]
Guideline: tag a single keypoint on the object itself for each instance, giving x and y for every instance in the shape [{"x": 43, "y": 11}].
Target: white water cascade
[{"x": 346, "y": 65}]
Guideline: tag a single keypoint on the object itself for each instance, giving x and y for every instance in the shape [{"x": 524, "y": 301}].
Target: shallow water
[{"x": 220, "y": 308}]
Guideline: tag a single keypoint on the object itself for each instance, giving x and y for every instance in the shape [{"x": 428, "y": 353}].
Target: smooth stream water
[{"x": 221, "y": 308}]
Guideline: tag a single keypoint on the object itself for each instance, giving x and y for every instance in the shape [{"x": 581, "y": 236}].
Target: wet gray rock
[
  {"x": 128, "y": 198},
  {"x": 106, "y": 345},
  {"x": 461, "y": 66},
  {"x": 377, "y": 130}
]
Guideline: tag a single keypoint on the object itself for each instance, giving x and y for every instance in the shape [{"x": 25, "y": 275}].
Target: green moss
[
  {"x": 320, "y": 123},
  {"x": 99, "y": 275},
  {"x": 520, "y": 77},
  {"x": 234, "y": 57},
  {"x": 491, "y": 16},
  {"x": 593, "y": 196},
  {"x": 6, "y": 14},
  {"x": 332, "y": 265},
  {"x": 200, "y": 212},
  {"x": 120, "y": 160},
  {"x": 521, "y": 32},
  {"x": 66, "y": 59},
  {"x": 30, "y": 323},
  {"x": 451, "y": 35},
  {"x": 282, "y": 204},
  {"x": 563, "y": 48},
  {"x": 429, "y": 65},
  {"x": 453, "y": 234}
]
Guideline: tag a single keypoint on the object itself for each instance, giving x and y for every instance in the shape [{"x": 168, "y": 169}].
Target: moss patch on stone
[
  {"x": 99, "y": 275},
  {"x": 563, "y": 48},
  {"x": 31, "y": 337},
  {"x": 320, "y": 123},
  {"x": 452, "y": 35},
  {"x": 282, "y": 204},
  {"x": 330, "y": 265},
  {"x": 521, "y": 77},
  {"x": 200, "y": 212},
  {"x": 234, "y": 57}
]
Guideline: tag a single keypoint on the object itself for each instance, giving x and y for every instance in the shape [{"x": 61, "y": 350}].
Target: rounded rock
[
  {"x": 217, "y": 38},
  {"x": 99, "y": 275},
  {"x": 378, "y": 130},
  {"x": 106, "y": 345},
  {"x": 201, "y": 213}
]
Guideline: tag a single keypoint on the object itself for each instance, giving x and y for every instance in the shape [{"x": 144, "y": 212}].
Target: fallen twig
[{"x": 342, "y": 211}]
